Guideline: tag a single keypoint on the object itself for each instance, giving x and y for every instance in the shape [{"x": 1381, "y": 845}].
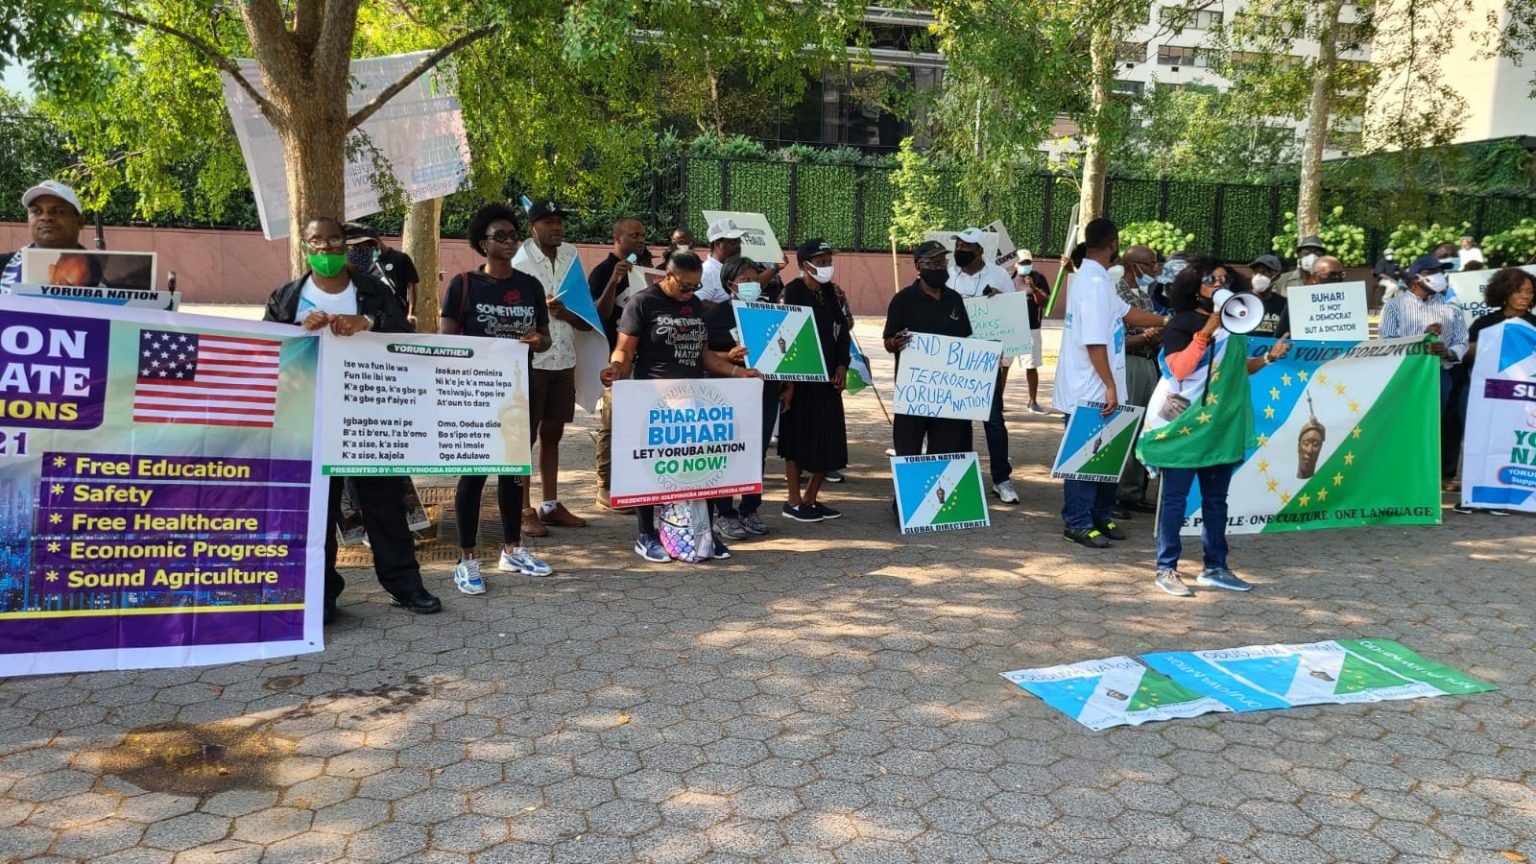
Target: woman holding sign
[
  {"x": 813, "y": 437},
  {"x": 1199, "y": 422}
]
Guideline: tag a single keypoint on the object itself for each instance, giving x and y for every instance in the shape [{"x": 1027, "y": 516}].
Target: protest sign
[
  {"x": 403, "y": 403},
  {"x": 418, "y": 133},
  {"x": 1347, "y": 434},
  {"x": 686, "y": 439},
  {"x": 944, "y": 376},
  {"x": 1115, "y": 691},
  {"x": 124, "y": 273},
  {"x": 1006, "y": 253},
  {"x": 989, "y": 242},
  {"x": 941, "y": 492},
  {"x": 162, "y": 301},
  {"x": 1498, "y": 463},
  {"x": 1468, "y": 288},
  {"x": 759, "y": 242},
  {"x": 160, "y": 505},
  {"x": 1333, "y": 312},
  {"x": 1094, "y": 448},
  {"x": 1001, "y": 318},
  {"x": 781, "y": 341}
]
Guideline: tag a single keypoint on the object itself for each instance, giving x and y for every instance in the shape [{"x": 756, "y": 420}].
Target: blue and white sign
[
  {"x": 941, "y": 492},
  {"x": 1115, "y": 691}
]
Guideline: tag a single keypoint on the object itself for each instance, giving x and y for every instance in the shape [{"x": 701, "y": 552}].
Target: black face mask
[
  {"x": 935, "y": 278},
  {"x": 964, "y": 259}
]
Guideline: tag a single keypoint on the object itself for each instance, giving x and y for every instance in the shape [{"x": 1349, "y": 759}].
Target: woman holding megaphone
[{"x": 1200, "y": 419}]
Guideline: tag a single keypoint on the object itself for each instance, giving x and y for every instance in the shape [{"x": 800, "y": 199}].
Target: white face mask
[
  {"x": 1307, "y": 261},
  {"x": 1437, "y": 282},
  {"x": 1026, "y": 269},
  {"x": 1261, "y": 283},
  {"x": 1116, "y": 273},
  {"x": 820, "y": 274},
  {"x": 749, "y": 292}
]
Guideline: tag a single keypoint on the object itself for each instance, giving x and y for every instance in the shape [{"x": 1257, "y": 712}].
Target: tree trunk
[
  {"x": 420, "y": 241},
  {"x": 1308, "y": 196},
  {"x": 314, "y": 154},
  {"x": 1101, "y": 51}
]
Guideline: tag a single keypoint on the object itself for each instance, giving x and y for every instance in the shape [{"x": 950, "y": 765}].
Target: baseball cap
[
  {"x": 54, "y": 188},
  {"x": 543, "y": 208},
  {"x": 1310, "y": 241},
  {"x": 970, "y": 235},
  {"x": 1026, "y": 257},
  {"x": 357, "y": 233},
  {"x": 724, "y": 229},
  {"x": 927, "y": 248},
  {"x": 811, "y": 248},
  {"x": 1429, "y": 264},
  {"x": 1269, "y": 261}
]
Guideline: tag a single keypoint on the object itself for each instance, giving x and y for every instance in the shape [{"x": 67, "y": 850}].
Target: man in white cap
[
  {"x": 53, "y": 215},
  {"x": 724, "y": 244},
  {"x": 972, "y": 275}
]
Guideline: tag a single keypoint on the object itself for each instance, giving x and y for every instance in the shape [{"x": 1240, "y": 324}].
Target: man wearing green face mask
[{"x": 346, "y": 303}]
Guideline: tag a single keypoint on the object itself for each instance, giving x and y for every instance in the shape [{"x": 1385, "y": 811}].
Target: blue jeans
[
  {"x": 1214, "y": 482},
  {"x": 1087, "y": 505},
  {"x": 997, "y": 437}
]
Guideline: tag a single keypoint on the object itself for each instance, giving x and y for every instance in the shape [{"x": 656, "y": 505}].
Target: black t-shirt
[
  {"x": 508, "y": 308},
  {"x": 720, "y": 320},
  {"x": 400, "y": 272},
  {"x": 597, "y": 280},
  {"x": 1036, "y": 311},
  {"x": 1182, "y": 327},
  {"x": 1277, "y": 316},
  {"x": 672, "y": 335},
  {"x": 1492, "y": 319},
  {"x": 913, "y": 310}
]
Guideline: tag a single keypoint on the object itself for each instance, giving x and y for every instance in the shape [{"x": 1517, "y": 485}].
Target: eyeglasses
[
  {"x": 501, "y": 236},
  {"x": 1331, "y": 278},
  {"x": 326, "y": 242}
]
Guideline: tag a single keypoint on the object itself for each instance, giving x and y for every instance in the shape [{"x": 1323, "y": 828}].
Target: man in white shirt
[
  {"x": 1469, "y": 252},
  {"x": 1092, "y": 369},
  {"x": 552, "y": 395},
  {"x": 724, "y": 244},
  {"x": 972, "y": 275}
]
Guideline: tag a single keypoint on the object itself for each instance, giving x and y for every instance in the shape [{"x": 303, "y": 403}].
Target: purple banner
[
  {"x": 22, "y": 635},
  {"x": 161, "y": 575},
  {"x": 68, "y": 522},
  {"x": 1517, "y": 391},
  {"x": 53, "y": 370},
  {"x": 106, "y": 496},
  {"x": 116, "y": 466}
]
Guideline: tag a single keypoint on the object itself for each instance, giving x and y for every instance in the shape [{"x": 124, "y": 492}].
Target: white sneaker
[
  {"x": 1005, "y": 492},
  {"x": 520, "y": 560},
  {"x": 466, "y": 575}
]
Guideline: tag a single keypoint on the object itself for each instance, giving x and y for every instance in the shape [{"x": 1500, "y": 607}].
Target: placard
[
  {"x": 685, "y": 439},
  {"x": 160, "y": 301},
  {"x": 1334, "y": 312},
  {"x": 1498, "y": 464},
  {"x": 407, "y": 403},
  {"x": 941, "y": 492},
  {"x": 781, "y": 341},
  {"x": 1115, "y": 691},
  {"x": 1094, "y": 448},
  {"x": 1468, "y": 289},
  {"x": 158, "y": 497},
  {"x": 944, "y": 376},
  {"x": 759, "y": 242},
  {"x": 122, "y": 273},
  {"x": 1002, "y": 318},
  {"x": 1007, "y": 253}
]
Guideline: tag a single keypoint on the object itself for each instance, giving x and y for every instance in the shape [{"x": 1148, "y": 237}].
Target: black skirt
[{"x": 812, "y": 432}]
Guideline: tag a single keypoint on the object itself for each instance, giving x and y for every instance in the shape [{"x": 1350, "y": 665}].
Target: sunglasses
[
  {"x": 1213, "y": 279},
  {"x": 501, "y": 236},
  {"x": 1331, "y": 278}
]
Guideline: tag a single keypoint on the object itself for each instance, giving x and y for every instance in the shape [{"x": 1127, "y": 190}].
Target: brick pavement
[{"x": 830, "y": 695}]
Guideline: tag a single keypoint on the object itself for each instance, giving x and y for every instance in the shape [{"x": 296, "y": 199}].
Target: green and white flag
[
  {"x": 941, "y": 492},
  {"x": 1115, "y": 691},
  {"x": 781, "y": 341},
  {"x": 859, "y": 377}
]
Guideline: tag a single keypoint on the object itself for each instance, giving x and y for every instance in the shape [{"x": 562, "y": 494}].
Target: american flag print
[{"x": 206, "y": 380}]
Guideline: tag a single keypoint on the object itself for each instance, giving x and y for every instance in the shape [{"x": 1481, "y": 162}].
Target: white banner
[
  {"x": 1468, "y": 288},
  {"x": 942, "y": 376},
  {"x": 419, "y": 134},
  {"x": 403, "y": 403},
  {"x": 161, "y": 301},
  {"x": 1498, "y": 467},
  {"x": 1329, "y": 313},
  {"x": 759, "y": 243},
  {"x": 1002, "y": 318},
  {"x": 685, "y": 439}
]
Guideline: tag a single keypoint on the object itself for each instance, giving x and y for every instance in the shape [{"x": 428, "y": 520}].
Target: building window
[
  {"x": 1192, "y": 19},
  {"x": 1131, "y": 52},
  {"x": 1344, "y": 141},
  {"x": 1129, "y": 88},
  {"x": 1177, "y": 55}
]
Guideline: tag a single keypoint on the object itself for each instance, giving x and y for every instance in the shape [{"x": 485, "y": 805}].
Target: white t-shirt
[
  {"x": 562, "y": 337},
  {"x": 1467, "y": 256},
  {"x": 975, "y": 285},
  {"x": 1095, "y": 316},
  {"x": 710, "y": 286},
  {"x": 312, "y": 296}
]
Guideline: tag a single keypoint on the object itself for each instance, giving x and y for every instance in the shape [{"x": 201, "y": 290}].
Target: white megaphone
[{"x": 1240, "y": 313}]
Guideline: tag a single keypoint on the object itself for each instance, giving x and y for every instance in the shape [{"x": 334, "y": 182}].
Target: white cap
[
  {"x": 970, "y": 235},
  {"x": 54, "y": 188},
  {"x": 1025, "y": 255},
  {"x": 725, "y": 229}
]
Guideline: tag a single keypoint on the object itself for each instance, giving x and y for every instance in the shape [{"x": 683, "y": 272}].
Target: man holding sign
[
  {"x": 974, "y": 276},
  {"x": 928, "y": 305},
  {"x": 724, "y": 244},
  {"x": 609, "y": 284}
]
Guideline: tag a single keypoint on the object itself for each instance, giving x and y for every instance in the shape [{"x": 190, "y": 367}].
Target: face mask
[
  {"x": 1116, "y": 273},
  {"x": 1143, "y": 281},
  {"x": 820, "y": 274},
  {"x": 362, "y": 259},
  {"x": 1261, "y": 283},
  {"x": 749, "y": 292},
  {"x": 935, "y": 278},
  {"x": 1438, "y": 283},
  {"x": 964, "y": 259},
  {"x": 1307, "y": 261},
  {"x": 1026, "y": 269},
  {"x": 326, "y": 264}
]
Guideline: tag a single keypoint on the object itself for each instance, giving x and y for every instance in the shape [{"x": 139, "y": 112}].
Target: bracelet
[
  {"x": 1268, "y": 358},
  {"x": 371, "y": 322}
]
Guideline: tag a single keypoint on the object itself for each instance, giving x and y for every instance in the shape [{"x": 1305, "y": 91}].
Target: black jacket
[{"x": 373, "y": 298}]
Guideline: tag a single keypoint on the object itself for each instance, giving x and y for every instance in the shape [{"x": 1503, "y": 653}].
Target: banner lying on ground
[
  {"x": 424, "y": 404},
  {"x": 685, "y": 439},
  {"x": 781, "y": 341},
  {"x": 1001, "y": 318},
  {"x": 942, "y": 376},
  {"x": 1498, "y": 461},
  {"x": 1094, "y": 447},
  {"x": 941, "y": 492},
  {"x": 1348, "y": 434},
  {"x": 1119, "y": 691},
  {"x": 158, "y": 502}
]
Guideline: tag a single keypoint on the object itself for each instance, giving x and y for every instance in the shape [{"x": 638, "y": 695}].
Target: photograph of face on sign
[{"x": 88, "y": 268}]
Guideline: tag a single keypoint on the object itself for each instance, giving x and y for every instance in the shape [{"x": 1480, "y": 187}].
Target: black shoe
[
  {"x": 802, "y": 513},
  {"x": 826, "y": 512},
  {"x": 833, "y": 477},
  {"x": 1112, "y": 531},
  {"x": 329, "y": 613},
  {"x": 1089, "y": 537},
  {"x": 1139, "y": 506},
  {"x": 1120, "y": 513},
  {"x": 420, "y": 601}
]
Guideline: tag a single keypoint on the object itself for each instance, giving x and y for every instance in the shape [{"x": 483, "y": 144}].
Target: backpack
[{"x": 685, "y": 531}]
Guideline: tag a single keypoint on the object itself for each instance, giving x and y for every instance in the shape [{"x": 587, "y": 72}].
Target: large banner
[
  {"x": 943, "y": 376},
  {"x": 941, "y": 492},
  {"x": 158, "y": 501},
  {"x": 685, "y": 439},
  {"x": 406, "y": 404},
  {"x": 418, "y": 134},
  {"x": 1498, "y": 461},
  {"x": 1115, "y": 691},
  {"x": 1348, "y": 434},
  {"x": 781, "y": 341}
]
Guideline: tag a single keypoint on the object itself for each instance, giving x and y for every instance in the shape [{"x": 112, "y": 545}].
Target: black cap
[
  {"x": 1311, "y": 241},
  {"x": 925, "y": 249},
  {"x": 811, "y": 248},
  {"x": 356, "y": 232},
  {"x": 545, "y": 207}
]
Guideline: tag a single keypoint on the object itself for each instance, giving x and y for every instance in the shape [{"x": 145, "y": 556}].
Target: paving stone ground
[{"x": 829, "y": 695}]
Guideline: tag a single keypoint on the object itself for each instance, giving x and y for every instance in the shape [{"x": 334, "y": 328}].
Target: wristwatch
[{"x": 372, "y": 322}]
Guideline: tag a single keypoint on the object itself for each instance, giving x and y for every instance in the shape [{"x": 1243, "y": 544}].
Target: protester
[
  {"x": 1308, "y": 250},
  {"x": 547, "y": 257},
  {"x": 724, "y": 242},
  {"x": 743, "y": 278},
  {"x": 1032, "y": 283},
  {"x": 1092, "y": 369},
  {"x": 928, "y": 305},
  {"x": 367, "y": 253},
  {"x": 495, "y": 302},
  {"x": 54, "y": 221},
  {"x": 813, "y": 437},
  {"x": 1277, "y": 313},
  {"x": 1141, "y": 346},
  {"x": 972, "y": 275},
  {"x": 1388, "y": 273},
  {"x": 681, "y": 240},
  {"x": 1469, "y": 253},
  {"x": 607, "y": 282},
  {"x": 1326, "y": 270},
  {"x": 662, "y": 335},
  {"x": 347, "y": 303},
  {"x": 1204, "y": 369},
  {"x": 1423, "y": 309},
  {"x": 1510, "y": 294}
]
